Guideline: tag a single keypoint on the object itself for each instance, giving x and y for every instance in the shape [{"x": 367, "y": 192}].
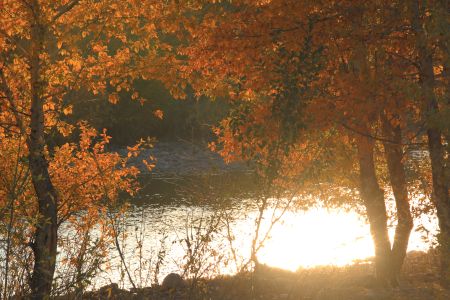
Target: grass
[{"x": 420, "y": 280}]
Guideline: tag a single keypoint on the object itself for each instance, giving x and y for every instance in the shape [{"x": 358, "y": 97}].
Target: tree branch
[
  {"x": 377, "y": 138},
  {"x": 9, "y": 96},
  {"x": 64, "y": 9}
]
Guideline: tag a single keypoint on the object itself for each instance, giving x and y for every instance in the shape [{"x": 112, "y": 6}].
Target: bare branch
[
  {"x": 64, "y": 9},
  {"x": 377, "y": 138},
  {"x": 14, "y": 41}
]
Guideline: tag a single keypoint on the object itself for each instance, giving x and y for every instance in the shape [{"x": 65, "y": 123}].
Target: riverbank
[{"x": 420, "y": 281}]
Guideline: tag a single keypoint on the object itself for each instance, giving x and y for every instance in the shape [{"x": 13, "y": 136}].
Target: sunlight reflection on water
[
  {"x": 303, "y": 239},
  {"x": 315, "y": 237},
  {"x": 324, "y": 237}
]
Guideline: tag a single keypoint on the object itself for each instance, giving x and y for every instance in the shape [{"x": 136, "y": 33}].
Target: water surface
[{"x": 169, "y": 213}]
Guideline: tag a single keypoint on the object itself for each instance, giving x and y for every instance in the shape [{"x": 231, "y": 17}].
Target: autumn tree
[
  {"x": 80, "y": 172},
  {"x": 360, "y": 93},
  {"x": 429, "y": 26},
  {"x": 50, "y": 51}
]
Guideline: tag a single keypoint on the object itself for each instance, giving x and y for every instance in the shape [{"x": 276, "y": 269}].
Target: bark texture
[
  {"x": 373, "y": 198},
  {"x": 45, "y": 237},
  {"x": 394, "y": 158},
  {"x": 436, "y": 148}
]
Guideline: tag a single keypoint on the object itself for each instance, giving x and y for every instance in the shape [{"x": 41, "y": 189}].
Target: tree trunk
[
  {"x": 373, "y": 199},
  {"x": 440, "y": 195},
  {"x": 441, "y": 200},
  {"x": 394, "y": 156},
  {"x": 45, "y": 236}
]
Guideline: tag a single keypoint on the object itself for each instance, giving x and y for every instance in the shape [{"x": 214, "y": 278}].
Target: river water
[{"x": 216, "y": 216}]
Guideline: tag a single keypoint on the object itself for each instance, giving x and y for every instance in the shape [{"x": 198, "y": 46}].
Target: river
[{"x": 216, "y": 216}]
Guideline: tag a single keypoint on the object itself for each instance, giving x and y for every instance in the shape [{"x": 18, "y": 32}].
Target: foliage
[
  {"x": 82, "y": 209},
  {"x": 323, "y": 95}
]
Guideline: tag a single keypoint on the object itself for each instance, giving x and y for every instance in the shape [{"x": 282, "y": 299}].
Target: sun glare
[
  {"x": 317, "y": 237},
  {"x": 320, "y": 237}
]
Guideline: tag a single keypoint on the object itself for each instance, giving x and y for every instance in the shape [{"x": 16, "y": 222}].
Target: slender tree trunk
[
  {"x": 371, "y": 193},
  {"x": 440, "y": 195},
  {"x": 45, "y": 237},
  {"x": 445, "y": 48},
  {"x": 394, "y": 157},
  {"x": 373, "y": 199},
  {"x": 441, "y": 200}
]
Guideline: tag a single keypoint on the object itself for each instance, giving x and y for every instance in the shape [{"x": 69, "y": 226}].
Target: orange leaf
[{"x": 159, "y": 114}]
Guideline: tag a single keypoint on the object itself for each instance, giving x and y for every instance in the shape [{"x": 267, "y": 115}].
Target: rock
[
  {"x": 173, "y": 281},
  {"x": 108, "y": 289}
]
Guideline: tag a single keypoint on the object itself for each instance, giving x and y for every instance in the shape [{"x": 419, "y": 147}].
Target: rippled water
[{"x": 168, "y": 212}]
